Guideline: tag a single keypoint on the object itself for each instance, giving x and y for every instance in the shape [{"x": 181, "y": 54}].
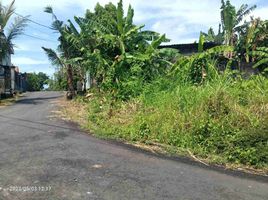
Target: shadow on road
[
  {"x": 38, "y": 123},
  {"x": 37, "y": 100},
  {"x": 74, "y": 127}
]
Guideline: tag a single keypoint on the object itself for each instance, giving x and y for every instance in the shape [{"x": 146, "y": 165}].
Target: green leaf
[
  {"x": 261, "y": 62},
  {"x": 130, "y": 15},
  {"x": 201, "y": 43},
  {"x": 133, "y": 30},
  {"x": 156, "y": 43},
  {"x": 120, "y": 17}
]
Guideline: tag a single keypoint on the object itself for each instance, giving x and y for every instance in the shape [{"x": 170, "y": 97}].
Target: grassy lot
[{"x": 221, "y": 122}]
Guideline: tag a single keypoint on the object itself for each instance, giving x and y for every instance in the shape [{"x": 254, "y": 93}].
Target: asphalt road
[{"x": 52, "y": 159}]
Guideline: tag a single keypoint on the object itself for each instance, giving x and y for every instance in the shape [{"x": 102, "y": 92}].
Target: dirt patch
[
  {"x": 72, "y": 111},
  {"x": 9, "y": 101}
]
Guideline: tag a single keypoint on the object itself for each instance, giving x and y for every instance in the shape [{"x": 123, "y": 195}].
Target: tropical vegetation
[
  {"x": 36, "y": 81},
  {"x": 8, "y": 34},
  {"x": 202, "y": 105}
]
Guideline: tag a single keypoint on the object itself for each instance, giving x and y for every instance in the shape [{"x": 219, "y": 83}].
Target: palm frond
[
  {"x": 53, "y": 57},
  {"x": 243, "y": 12},
  {"x": 48, "y": 9},
  {"x": 57, "y": 25},
  {"x": 6, "y": 13},
  {"x": 16, "y": 28}
]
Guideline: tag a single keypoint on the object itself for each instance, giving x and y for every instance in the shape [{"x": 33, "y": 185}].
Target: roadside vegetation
[
  {"x": 201, "y": 105},
  {"x": 36, "y": 81},
  {"x": 9, "y": 101},
  {"x": 9, "y": 34}
]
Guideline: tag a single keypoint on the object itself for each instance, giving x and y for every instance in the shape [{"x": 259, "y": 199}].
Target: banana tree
[
  {"x": 251, "y": 38},
  {"x": 231, "y": 20},
  {"x": 212, "y": 37},
  {"x": 201, "y": 66},
  {"x": 262, "y": 55}
]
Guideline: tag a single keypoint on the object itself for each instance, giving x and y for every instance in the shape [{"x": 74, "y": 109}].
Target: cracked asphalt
[{"x": 42, "y": 157}]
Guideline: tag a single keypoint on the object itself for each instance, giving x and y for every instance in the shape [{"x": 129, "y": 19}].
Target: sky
[{"x": 180, "y": 20}]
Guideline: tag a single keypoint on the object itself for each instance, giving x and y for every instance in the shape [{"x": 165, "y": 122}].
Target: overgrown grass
[{"x": 223, "y": 121}]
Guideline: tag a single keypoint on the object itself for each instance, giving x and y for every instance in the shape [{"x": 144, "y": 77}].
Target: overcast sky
[{"x": 181, "y": 20}]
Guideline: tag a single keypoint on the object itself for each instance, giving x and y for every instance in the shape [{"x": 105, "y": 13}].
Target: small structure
[
  {"x": 11, "y": 80},
  {"x": 20, "y": 81},
  {"x": 189, "y": 49}
]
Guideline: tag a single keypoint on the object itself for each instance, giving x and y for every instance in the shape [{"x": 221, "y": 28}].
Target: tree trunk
[{"x": 71, "y": 92}]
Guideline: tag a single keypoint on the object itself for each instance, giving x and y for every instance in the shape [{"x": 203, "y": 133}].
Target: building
[
  {"x": 189, "y": 49},
  {"x": 11, "y": 80}
]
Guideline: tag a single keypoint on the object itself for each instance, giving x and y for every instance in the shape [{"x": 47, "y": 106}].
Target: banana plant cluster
[
  {"x": 254, "y": 36},
  {"x": 200, "y": 67},
  {"x": 262, "y": 55},
  {"x": 247, "y": 37},
  {"x": 110, "y": 46}
]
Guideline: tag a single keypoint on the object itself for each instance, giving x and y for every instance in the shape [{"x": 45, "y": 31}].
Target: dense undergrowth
[
  {"x": 189, "y": 104},
  {"x": 222, "y": 121}
]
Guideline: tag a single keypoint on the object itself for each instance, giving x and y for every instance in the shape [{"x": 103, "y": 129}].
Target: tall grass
[{"x": 224, "y": 120}]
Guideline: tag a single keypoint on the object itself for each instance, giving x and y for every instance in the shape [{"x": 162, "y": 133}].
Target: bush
[{"x": 224, "y": 120}]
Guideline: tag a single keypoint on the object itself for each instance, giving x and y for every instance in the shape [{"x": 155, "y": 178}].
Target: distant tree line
[{"x": 36, "y": 81}]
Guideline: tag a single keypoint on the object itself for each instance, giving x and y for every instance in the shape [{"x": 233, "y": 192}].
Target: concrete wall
[
  {"x": 2, "y": 80},
  {"x": 7, "y": 60}
]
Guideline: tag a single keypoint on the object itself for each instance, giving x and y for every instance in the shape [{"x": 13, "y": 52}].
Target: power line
[
  {"x": 38, "y": 38},
  {"x": 37, "y": 23}
]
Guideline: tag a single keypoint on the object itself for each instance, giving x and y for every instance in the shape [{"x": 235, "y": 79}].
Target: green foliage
[
  {"x": 212, "y": 37},
  {"x": 151, "y": 95},
  {"x": 200, "y": 67},
  {"x": 224, "y": 120},
  {"x": 201, "y": 43},
  {"x": 262, "y": 55},
  {"x": 58, "y": 82},
  {"x": 36, "y": 82},
  {"x": 117, "y": 52},
  {"x": 231, "y": 19},
  {"x": 16, "y": 28}
]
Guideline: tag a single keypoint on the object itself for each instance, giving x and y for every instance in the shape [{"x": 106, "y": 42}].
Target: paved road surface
[{"x": 36, "y": 149}]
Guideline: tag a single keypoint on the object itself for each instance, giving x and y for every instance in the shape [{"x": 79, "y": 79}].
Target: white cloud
[
  {"x": 165, "y": 15},
  {"x": 27, "y": 61},
  {"x": 181, "y": 20},
  {"x": 261, "y": 12}
]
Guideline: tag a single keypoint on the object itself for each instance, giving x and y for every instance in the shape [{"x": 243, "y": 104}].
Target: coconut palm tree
[
  {"x": 7, "y": 35},
  {"x": 66, "y": 56}
]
